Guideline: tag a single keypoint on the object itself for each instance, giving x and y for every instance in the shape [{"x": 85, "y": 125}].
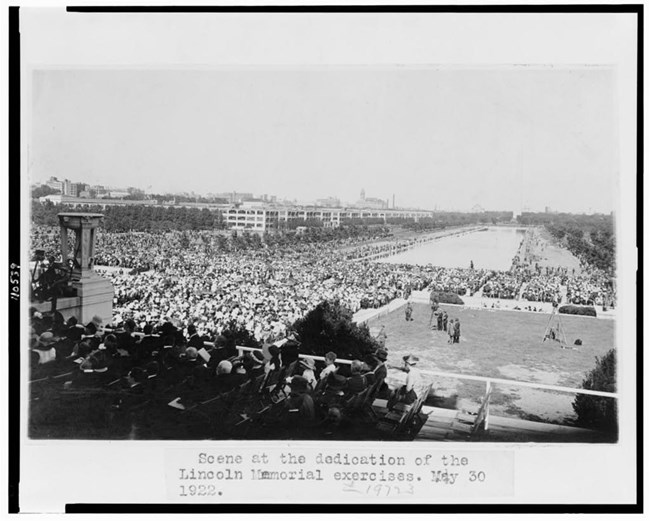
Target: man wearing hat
[
  {"x": 300, "y": 405},
  {"x": 380, "y": 371},
  {"x": 148, "y": 343},
  {"x": 335, "y": 388}
]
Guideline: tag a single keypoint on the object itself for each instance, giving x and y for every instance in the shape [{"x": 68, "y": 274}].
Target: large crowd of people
[
  {"x": 462, "y": 281},
  {"x": 192, "y": 278},
  {"x": 592, "y": 287}
]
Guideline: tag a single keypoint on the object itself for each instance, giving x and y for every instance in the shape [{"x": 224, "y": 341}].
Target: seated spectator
[
  {"x": 148, "y": 343},
  {"x": 380, "y": 371},
  {"x": 330, "y": 358},
  {"x": 125, "y": 340},
  {"x": 334, "y": 392},
  {"x": 44, "y": 348},
  {"x": 307, "y": 364},
  {"x": 254, "y": 363},
  {"x": 357, "y": 382},
  {"x": 289, "y": 350},
  {"x": 96, "y": 362},
  {"x": 300, "y": 404},
  {"x": 238, "y": 372},
  {"x": 225, "y": 380},
  {"x": 274, "y": 363}
]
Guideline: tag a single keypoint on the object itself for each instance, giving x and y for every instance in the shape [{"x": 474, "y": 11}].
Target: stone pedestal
[{"x": 96, "y": 296}]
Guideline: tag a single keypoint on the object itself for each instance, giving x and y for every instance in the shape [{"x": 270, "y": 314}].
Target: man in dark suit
[
  {"x": 194, "y": 340},
  {"x": 125, "y": 340},
  {"x": 148, "y": 343}
]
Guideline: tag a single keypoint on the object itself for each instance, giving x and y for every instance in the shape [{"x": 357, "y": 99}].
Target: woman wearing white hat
[
  {"x": 308, "y": 364},
  {"x": 413, "y": 378}
]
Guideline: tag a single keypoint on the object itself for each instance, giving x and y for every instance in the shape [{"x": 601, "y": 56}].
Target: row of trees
[
  {"x": 590, "y": 238},
  {"x": 446, "y": 219},
  {"x": 139, "y": 218}
]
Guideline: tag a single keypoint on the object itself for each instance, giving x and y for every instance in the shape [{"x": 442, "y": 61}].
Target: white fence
[{"x": 490, "y": 382}]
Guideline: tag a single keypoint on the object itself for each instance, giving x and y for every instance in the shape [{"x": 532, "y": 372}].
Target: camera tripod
[{"x": 555, "y": 331}]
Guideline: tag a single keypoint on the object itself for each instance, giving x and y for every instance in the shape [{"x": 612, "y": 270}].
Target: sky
[{"x": 449, "y": 138}]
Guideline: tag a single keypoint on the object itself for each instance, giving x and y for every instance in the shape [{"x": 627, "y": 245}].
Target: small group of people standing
[
  {"x": 451, "y": 326},
  {"x": 453, "y": 330}
]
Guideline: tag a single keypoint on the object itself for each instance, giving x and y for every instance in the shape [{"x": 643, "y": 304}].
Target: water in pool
[{"x": 491, "y": 249}]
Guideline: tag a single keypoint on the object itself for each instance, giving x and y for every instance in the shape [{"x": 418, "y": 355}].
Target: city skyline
[
  {"x": 278, "y": 199},
  {"x": 448, "y": 139}
]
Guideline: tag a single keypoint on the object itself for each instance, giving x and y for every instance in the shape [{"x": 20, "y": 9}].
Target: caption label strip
[{"x": 214, "y": 476}]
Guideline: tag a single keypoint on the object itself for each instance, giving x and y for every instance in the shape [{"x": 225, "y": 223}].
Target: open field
[{"x": 501, "y": 344}]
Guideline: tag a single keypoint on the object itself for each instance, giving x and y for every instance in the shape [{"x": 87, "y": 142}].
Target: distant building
[
  {"x": 370, "y": 202},
  {"x": 97, "y": 201},
  {"x": 329, "y": 201},
  {"x": 477, "y": 208},
  {"x": 235, "y": 197},
  {"x": 374, "y": 203},
  {"x": 260, "y": 218},
  {"x": 55, "y": 184},
  {"x": 72, "y": 189},
  {"x": 116, "y": 194}
]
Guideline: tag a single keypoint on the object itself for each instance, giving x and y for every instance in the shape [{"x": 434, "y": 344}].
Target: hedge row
[
  {"x": 578, "y": 310},
  {"x": 450, "y": 298}
]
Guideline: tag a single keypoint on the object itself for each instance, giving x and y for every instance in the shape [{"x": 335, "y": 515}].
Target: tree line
[{"x": 137, "y": 218}]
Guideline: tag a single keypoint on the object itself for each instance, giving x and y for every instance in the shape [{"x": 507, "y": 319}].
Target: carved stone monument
[{"x": 94, "y": 293}]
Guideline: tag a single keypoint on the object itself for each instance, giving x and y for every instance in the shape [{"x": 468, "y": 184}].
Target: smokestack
[{"x": 393, "y": 201}]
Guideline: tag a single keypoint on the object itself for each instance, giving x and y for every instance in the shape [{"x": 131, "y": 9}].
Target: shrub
[
  {"x": 449, "y": 298},
  {"x": 578, "y": 310},
  {"x": 329, "y": 327},
  {"x": 599, "y": 412}
]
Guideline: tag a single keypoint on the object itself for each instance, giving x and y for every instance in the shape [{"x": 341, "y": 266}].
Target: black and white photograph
[{"x": 365, "y": 232}]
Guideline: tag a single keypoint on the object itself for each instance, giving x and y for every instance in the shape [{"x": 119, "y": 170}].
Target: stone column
[{"x": 64, "y": 245}]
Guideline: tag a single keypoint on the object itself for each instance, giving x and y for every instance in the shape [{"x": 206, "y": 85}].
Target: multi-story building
[
  {"x": 258, "y": 216},
  {"x": 55, "y": 184},
  {"x": 73, "y": 189}
]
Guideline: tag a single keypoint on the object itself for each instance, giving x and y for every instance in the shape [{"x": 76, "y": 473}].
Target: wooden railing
[{"x": 487, "y": 379}]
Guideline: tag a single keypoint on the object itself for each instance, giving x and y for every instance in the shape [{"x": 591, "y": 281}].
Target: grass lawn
[{"x": 501, "y": 344}]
